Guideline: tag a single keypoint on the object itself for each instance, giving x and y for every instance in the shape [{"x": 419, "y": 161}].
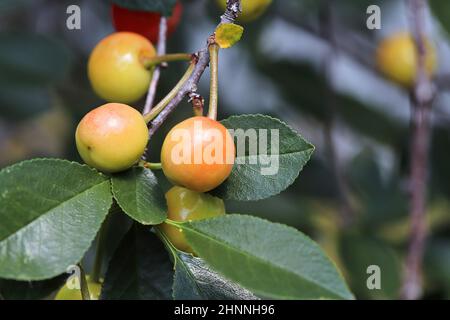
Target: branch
[
  {"x": 327, "y": 32},
  {"x": 84, "y": 289},
  {"x": 232, "y": 11},
  {"x": 190, "y": 86},
  {"x": 161, "y": 50},
  {"x": 422, "y": 99}
]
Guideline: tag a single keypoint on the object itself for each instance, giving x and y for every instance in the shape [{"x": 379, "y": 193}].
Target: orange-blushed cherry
[
  {"x": 198, "y": 153},
  {"x": 116, "y": 67},
  {"x": 145, "y": 23},
  {"x": 112, "y": 137},
  {"x": 185, "y": 205}
]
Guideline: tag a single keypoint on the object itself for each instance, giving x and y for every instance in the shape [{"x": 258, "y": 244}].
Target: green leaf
[
  {"x": 358, "y": 252},
  {"x": 437, "y": 262},
  {"x": 138, "y": 194},
  {"x": 29, "y": 290},
  {"x": 32, "y": 59},
  {"x": 195, "y": 280},
  {"x": 228, "y": 34},
  {"x": 28, "y": 64},
  {"x": 248, "y": 181},
  {"x": 6, "y": 6},
  {"x": 164, "y": 7},
  {"x": 23, "y": 101},
  {"x": 441, "y": 9},
  {"x": 270, "y": 259},
  {"x": 50, "y": 212},
  {"x": 382, "y": 201},
  {"x": 140, "y": 268}
]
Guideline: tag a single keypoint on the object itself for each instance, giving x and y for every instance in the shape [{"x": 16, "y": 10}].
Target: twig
[
  {"x": 162, "y": 59},
  {"x": 189, "y": 86},
  {"x": 100, "y": 250},
  {"x": 327, "y": 32},
  {"x": 197, "y": 102},
  {"x": 160, "y": 50},
  {"x": 84, "y": 289},
  {"x": 232, "y": 11},
  {"x": 163, "y": 103},
  {"x": 422, "y": 99},
  {"x": 151, "y": 165}
]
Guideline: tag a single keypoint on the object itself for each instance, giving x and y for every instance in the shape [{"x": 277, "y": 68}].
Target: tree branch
[
  {"x": 232, "y": 11},
  {"x": 161, "y": 50},
  {"x": 327, "y": 31},
  {"x": 190, "y": 86},
  {"x": 422, "y": 99}
]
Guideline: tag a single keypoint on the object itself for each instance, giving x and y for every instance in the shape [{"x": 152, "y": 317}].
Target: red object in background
[{"x": 144, "y": 22}]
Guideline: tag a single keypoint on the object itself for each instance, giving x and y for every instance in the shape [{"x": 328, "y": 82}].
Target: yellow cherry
[
  {"x": 116, "y": 68},
  {"x": 186, "y": 205},
  {"x": 397, "y": 58}
]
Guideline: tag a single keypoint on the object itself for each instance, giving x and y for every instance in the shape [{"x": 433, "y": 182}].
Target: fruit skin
[
  {"x": 197, "y": 174},
  {"x": 116, "y": 69},
  {"x": 186, "y": 205},
  {"x": 75, "y": 294},
  {"x": 143, "y": 22},
  {"x": 251, "y": 9},
  {"x": 112, "y": 137},
  {"x": 397, "y": 58}
]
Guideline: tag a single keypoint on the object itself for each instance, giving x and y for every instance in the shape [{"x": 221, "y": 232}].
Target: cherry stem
[
  {"x": 214, "y": 81},
  {"x": 153, "y": 61},
  {"x": 160, "y": 50},
  {"x": 165, "y": 101},
  {"x": 173, "y": 223},
  {"x": 85, "y": 295},
  {"x": 197, "y": 103},
  {"x": 100, "y": 251},
  {"x": 152, "y": 165}
]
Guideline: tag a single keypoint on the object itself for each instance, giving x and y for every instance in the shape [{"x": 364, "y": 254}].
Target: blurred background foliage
[{"x": 308, "y": 62}]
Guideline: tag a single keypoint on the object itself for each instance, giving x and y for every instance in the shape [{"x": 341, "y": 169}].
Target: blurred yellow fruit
[
  {"x": 251, "y": 9},
  {"x": 112, "y": 138},
  {"x": 397, "y": 58},
  {"x": 66, "y": 293},
  {"x": 186, "y": 205},
  {"x": 116, "y": 68}
]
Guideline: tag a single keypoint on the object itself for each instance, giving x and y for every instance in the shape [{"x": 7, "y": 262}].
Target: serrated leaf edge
[{"x": 308, "y": 239}]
